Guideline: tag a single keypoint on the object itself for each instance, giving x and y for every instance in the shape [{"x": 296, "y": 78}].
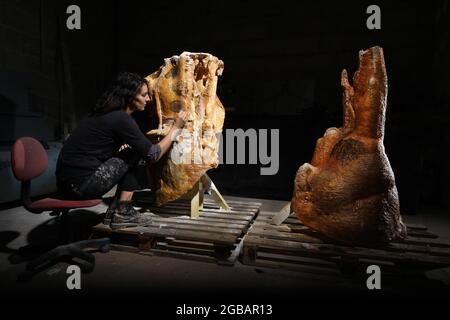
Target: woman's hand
[
  {"x": 166, "y": 142},
  {"x": 181, "y": 119}
]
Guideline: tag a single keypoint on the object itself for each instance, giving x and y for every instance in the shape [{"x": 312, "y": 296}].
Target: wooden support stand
[
  {"x": 196, "y": 194},
  {"x": 197, "y": 200},
  {"x": 282, "y": 215}
]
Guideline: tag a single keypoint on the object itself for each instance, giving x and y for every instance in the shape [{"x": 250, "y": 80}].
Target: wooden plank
[
  {"x": 238, "y": 202},
  {"x": 268, "y": 214},
  {"x": 179, "y": 255},
  {"x": 283, "y": 227},
  {"x": 274, "y": 234},
  {"x": 260, "y": 228},
  {"x": 206, "y": 228},
  {"x": 183, "y": 248},
  {"x": 246, "y": 217},
  {"x": 189, "y": 235},
  {"x": 199, "y": 222},
  {"x": 435, "y": 251},
  {"x": 439, "y": 242},
  {"x": 322, "y": 263},
  {"x": 186, "y": 243},
  {"x": 206, "y": 205},
  {"x": 176, "y": 233},
  {"x": 178, "y": 210},
  {"x": 215, "y": 216},
  {"x": 288, "y": 221},
  {"x": 234, "y": 222}
]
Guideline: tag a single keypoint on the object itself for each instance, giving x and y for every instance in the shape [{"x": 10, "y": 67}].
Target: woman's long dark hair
[{"x": 119, "y": 94}]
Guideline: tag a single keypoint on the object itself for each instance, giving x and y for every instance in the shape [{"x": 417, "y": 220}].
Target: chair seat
[{"x": 54, "y": 204}]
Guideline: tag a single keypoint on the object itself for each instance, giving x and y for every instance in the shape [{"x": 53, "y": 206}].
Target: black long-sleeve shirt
[{"x": 98, "y": 138}]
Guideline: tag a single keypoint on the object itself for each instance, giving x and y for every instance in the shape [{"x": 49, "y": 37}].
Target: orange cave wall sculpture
[
  {"x": 348, "y": 192},
  {"x": 186, "y": 82}
]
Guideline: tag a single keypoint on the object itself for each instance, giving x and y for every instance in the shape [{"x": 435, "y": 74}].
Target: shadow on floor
[
  {"x": 7, "y": 237},
  {"x": 49, "y": 235}
]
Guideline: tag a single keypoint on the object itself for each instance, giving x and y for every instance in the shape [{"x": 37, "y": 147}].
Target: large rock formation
[
  {"x": 348, "y": 192},
  {"x": 186, "y": 82}
]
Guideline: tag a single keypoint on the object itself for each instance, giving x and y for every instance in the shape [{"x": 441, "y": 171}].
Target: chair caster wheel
[{"x": 105, "y": 248}]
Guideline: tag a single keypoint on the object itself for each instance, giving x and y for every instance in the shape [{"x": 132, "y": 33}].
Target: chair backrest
[{"x": 28, "y": 159}]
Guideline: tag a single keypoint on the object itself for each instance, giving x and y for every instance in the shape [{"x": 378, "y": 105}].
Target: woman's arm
[
  {"x": 130, "y": 134},
  {"x": 166, "y": 142}
]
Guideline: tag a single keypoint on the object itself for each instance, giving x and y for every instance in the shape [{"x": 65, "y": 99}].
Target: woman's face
[{"x": 141, "y": 98}]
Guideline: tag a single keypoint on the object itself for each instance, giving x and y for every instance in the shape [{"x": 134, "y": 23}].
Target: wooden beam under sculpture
[
  {"x": 348, "y": 192},
  {"x": 186, "y": 82}
]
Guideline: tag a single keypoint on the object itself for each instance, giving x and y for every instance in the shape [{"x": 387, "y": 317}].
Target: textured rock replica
[
  {"x": 348, "y": 192},
  {"x": 186, "y": 82}
]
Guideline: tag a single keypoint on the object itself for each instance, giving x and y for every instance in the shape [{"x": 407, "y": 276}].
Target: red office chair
[{"x": 29, "y": 160}]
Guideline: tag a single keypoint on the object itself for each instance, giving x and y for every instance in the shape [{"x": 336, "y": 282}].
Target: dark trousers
[{"x": 126, "y": 169}]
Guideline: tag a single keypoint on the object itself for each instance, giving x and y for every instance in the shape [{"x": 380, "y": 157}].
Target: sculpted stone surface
[
  {"x": 348, "y": 192},
  {"x": 186, "y": 82}
]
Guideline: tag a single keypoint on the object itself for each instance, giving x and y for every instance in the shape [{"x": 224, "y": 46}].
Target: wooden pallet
[
  {"x": 216, "y": 235},
  {"x": 294, "y": 246}
]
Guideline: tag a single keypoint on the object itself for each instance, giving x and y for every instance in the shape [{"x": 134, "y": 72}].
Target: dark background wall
[{"x": 282, "y": 71}]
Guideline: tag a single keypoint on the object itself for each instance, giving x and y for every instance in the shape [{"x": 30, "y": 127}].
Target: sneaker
[
  {"x": 126, "y": 208},
  {"x": 125, "y": 216}
]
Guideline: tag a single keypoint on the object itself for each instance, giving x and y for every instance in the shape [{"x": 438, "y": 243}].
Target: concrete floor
[{"x": 122, "y": 274}]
